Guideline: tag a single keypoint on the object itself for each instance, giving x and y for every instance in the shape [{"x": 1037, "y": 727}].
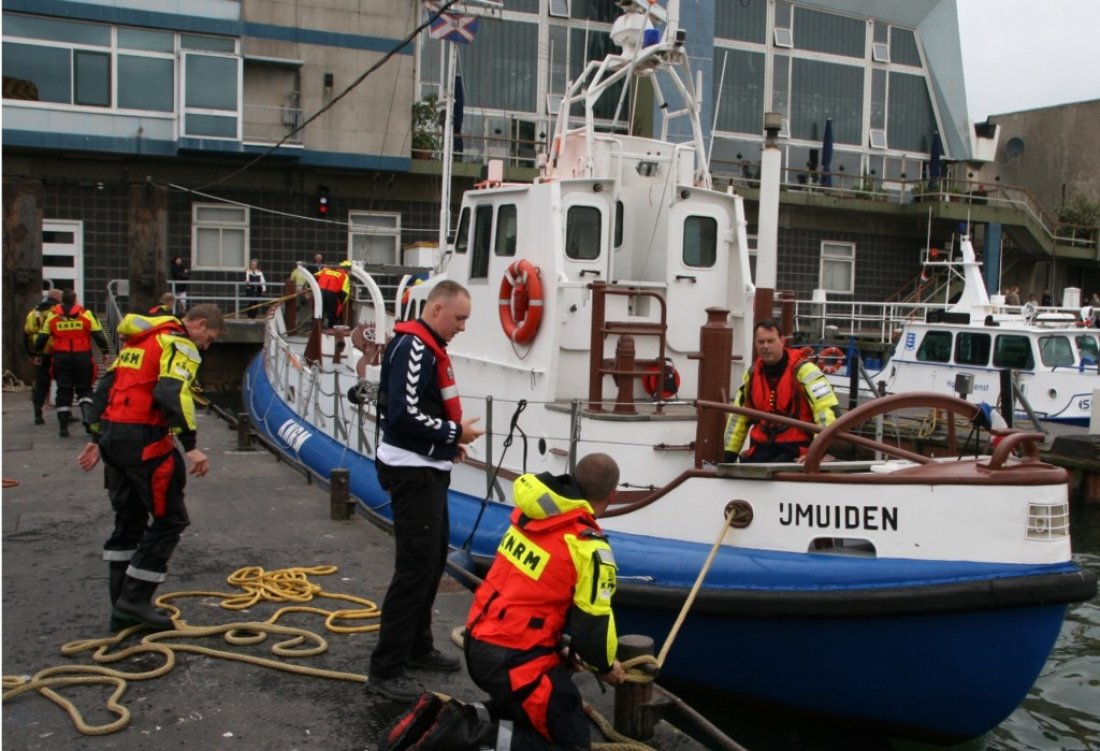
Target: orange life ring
[
  {"x": 831, "y": 359},
  {"x": 520, "y": 301},
  {"x": 805, "y": 353},
  {"x": 663, "y": 383}
]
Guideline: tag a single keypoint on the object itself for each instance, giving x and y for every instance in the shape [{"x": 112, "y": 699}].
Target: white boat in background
[
  {"x": 612, "y": 312},
  {"x": 1054, "y": 355}
]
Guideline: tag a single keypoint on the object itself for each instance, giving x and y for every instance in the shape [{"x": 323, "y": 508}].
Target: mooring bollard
[
  {"x": 635, "y": 714},
  {"x": 339, "y": 504},
  {"x": 244, "y": 432}
]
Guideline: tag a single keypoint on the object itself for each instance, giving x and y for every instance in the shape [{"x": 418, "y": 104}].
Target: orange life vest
[
  {"x": 444, "y": 373},
  {"x": 524, "y": 603},
  {"x": 787, "y": 399},
  {"x": 333, "y": 280},
  {"x": 137, "y": 371},
  {"x": 71, "y": 330}
]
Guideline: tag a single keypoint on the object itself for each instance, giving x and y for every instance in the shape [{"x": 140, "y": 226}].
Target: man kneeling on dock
[
  {"x": 553, "y": 570},
  {"x": 779, "y": 382}
]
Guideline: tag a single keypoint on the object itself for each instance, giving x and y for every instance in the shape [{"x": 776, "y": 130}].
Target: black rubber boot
[
  {"x": 118, "y": 573},
  {"x": 63, "y": 421},
  {"x": 135, "y": 602},
  {"x": 38, "y": 418}
]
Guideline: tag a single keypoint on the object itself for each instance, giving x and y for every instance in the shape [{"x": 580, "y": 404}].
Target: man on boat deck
[
  {"x": 553, "y": 572},
  {"x": 335, "y": 288},
  {"x": 782, "y": 383},
  {"x": 423, "y": 433}
]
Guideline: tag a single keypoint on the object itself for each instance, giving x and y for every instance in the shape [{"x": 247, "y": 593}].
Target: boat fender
[
  {"x": 520, "y": 301},
  {"x": 662, "y": 383},
  {"x": 831, "y": 359}
]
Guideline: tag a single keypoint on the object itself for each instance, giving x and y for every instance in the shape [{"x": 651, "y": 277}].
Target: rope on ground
[
  {"x": 281, "y": 585},
  {"x": 10, "y": 483},
  {"x": 12, "y": 382}
]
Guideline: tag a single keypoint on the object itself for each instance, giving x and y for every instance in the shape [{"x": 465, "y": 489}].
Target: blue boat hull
[{"x": 936, "y": 649}]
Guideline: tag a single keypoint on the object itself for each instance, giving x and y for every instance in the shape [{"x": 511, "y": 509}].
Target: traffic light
[{"x": 322, "y": 201}]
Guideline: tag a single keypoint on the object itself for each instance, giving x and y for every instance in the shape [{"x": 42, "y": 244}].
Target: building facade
[{"x": 135, "y": 131}]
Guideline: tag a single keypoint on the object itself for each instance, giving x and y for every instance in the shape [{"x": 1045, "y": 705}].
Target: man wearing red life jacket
[
  {"x": 335, "y": 287},
  {"x": 782, "y": 383},
  {"x": 142, "y": 406},
  {"x": 423, "y": 434},
  {"x": 68, "y": 332},
  {"x": 553, "y": 572}
]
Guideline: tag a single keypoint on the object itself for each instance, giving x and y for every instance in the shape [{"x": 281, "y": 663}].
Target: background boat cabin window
[
  {"x": 462, "y": 234},
  {"x": 936, "y": 347},
  {"x": 838, "y": 267},
  {"x": 1086, "y": 345},
  {"x": 972, "y": 349},
  {"x": 505, "y": 244},
  {"x": 1056, "y": 352},
  {"x": 582, "y": 233},
  {"x": 1013, "y": 351},
  {"x": 219, "y": 237},
  {"x": 483, "y": 231},
  {"x": 700, "y": 241},
  {"x": 374, "y": 237}
]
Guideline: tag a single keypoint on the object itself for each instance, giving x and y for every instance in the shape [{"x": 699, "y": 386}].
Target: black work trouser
[
  {"x": 146, "y": 475},
  {"x": 41, "y": 389},
  {"x": 330, "y": 305},
  {"x": 75, "y": 373},
  {"x": 546, "y": 695},
  {"x": 421, "y": 528}
]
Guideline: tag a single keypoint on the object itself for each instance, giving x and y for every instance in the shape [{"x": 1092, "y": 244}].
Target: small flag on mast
[{"x": 451, "y": 27}]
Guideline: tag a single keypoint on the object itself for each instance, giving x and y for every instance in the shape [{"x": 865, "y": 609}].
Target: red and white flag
[{"x": 451, "y": 27}]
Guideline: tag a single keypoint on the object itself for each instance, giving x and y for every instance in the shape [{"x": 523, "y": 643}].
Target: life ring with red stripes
[
  {"x": 831, "y": 359},
  {"x": 520, "y": 301},
  {"x": 661, "y": 383}
]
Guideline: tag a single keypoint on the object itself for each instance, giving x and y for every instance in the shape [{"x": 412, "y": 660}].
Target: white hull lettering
[
  {"x": 293, "y": 434},
  {"x": 823, "y": 516}
]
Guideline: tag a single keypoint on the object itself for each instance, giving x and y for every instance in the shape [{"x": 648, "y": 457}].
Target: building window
[
  {"x": 821, "y": 90},
  {"x": 700, "y": 241},
  {"x": 582, "y": 233},
  {"x": 909, "y": 112},
  {"x": 559, "y": 8},
  {"x": 211, "y": 87},
  {"x": 741, "y": 96},
  {"x": 219, "y": 237},
  {"x": 838, "y": 267},
  {"x": 819, "y": 31},
  {"x": 89, "y": 65},
  {"x": 374, "y": 238},
  {"x": 783, "y": 38}
]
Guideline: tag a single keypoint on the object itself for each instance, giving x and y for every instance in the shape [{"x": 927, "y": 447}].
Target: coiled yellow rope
[{"x": 283, "y": 585}]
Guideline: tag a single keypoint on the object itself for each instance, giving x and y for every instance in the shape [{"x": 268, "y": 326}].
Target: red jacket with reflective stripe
[
  {"x": 136, "y": 372},
  {"x": 70, "y": 331}
]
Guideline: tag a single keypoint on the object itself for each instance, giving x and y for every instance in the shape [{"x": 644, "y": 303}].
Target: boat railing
[
  {"x": 624, "y": 367},
  {"x": 822, "y": 320}
]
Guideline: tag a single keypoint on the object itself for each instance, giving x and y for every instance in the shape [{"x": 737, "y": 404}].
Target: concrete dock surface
[{"x": 251, "y": 510}]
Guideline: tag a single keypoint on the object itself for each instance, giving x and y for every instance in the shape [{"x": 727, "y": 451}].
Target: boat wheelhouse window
[
  {"x": 462, "y": 234},
  {"x": 935, "y": 347},
  {"x": 505, "y": 244},
  {"x": 483, "y": 230},
  {"x": 1056, "y": 352},
  {"x": 1086, "y": 345},
  {"x": 972, "y": 349},
  {"x": 700, "y": 241},
  {"x": 618, "y": 224},
  {"x": 582, "y": 233},
  {"x": 1013, "y": 351}
]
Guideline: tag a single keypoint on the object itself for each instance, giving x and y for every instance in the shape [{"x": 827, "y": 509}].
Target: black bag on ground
[{"x": 432, "y": 724}]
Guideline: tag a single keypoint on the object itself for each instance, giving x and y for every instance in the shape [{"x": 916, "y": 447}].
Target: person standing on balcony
[
  {"x": 254, "y": 286},
  {"x": 181, "y": 278}
]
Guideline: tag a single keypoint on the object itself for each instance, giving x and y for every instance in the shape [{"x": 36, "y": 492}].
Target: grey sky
[{"x": 1024, "y": 54}]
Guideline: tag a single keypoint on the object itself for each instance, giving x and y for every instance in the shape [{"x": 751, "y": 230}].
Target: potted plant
[{"x": 425, "y": 127}]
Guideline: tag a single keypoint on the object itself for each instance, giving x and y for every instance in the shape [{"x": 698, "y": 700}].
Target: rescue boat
[{"x": 612, "y": 305}]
